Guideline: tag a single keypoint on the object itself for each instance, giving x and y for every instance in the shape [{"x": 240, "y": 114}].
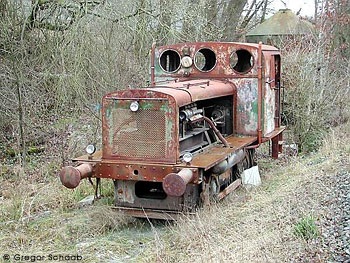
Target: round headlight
[
  {"x": 134, "y": 106},
  {"x": 186, "y": 62},
  {"x": 188, "y": 157},
  {"x": 90, "y": 149}
]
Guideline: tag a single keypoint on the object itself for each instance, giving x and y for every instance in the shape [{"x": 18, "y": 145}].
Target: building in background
[{"x": 281, "y": 26}]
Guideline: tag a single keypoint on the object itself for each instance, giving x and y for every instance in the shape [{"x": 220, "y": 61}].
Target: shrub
[{"x": 316, "y": 89}]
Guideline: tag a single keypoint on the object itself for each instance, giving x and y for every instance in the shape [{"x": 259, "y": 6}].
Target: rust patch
[
  {"x": 222, "y": 69},
  {"x": 137, "y": 172},
  {"x": 136, "y": 135}
]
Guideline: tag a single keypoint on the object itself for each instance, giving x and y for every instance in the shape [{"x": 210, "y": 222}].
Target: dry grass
[
  {"x": 249, "y": 226},
  {"x": 258, "y": 226}
]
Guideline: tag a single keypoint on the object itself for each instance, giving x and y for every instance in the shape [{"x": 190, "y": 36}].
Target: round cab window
[
  {"x": 241, "y": 61},
  {"x": 169, "y": 61},
  {"x": 205, "y": 59}
]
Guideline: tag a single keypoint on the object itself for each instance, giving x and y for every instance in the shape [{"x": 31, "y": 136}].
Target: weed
[{"x": 306, "y": 228}]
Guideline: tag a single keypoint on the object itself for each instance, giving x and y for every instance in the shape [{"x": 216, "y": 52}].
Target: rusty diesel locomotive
[{"x": 184, "y": 140}]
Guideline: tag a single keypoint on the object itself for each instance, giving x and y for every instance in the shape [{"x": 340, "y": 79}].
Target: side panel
[{"x": 247, "y": 105}]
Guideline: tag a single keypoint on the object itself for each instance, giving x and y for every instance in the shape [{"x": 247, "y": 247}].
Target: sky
[{"x": 307, "y": 6}]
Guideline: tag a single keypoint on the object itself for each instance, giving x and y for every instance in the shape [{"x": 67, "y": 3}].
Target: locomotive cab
[{"x": 185, "y": 140}]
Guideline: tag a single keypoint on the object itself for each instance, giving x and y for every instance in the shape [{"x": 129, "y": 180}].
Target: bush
[{"x": 316, "y": 89}]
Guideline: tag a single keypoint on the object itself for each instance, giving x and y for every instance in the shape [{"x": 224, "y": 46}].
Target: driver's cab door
[{"x": 275, "y": 84}]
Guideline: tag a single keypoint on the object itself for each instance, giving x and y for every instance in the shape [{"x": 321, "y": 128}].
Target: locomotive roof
[{"x": 215, "y": 43}]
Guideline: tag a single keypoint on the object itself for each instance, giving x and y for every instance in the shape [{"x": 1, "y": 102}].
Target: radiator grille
[{"x": 140, "y": 134}]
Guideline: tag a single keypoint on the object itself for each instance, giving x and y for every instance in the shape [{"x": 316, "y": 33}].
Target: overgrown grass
[{"x": 266, "y": 224}]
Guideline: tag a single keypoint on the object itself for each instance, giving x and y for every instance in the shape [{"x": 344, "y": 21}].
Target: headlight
[
  {"x": 90, "y": 149},
  {"x": 186, "y": 62},
  {"x": 187, "y": 157},
  {"x": 134, "y": 106}
]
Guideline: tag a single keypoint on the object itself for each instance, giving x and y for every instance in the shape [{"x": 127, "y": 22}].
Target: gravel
[
  {"x": 330, "y": 192},
  {"x": 341, "y": 229},
  {"x": 335, "y": 226}
]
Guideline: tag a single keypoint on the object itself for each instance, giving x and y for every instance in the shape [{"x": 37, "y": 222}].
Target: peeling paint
[
  {"x": 222, "y": 68},
  {"x": 247, "y": 105},
  {"x": 269, "y": 96},
  {"x": 124, "y": 192}
]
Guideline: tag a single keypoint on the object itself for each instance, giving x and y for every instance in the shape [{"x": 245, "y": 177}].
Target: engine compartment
[{"x": 195, "y": 134}]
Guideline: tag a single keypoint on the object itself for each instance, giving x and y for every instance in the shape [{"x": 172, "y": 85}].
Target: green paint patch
[
  {"x": 169, "y": 127},
  {"x": 165, "y": 107},
  {"x": 108, "y": 112},
  {"x": 157, "y": 68},
  {"x": 240, "y": 108},
  {"x": 255, "y": 109},
  {"x": 115, "y": 104},
  {"x": 146, "y": 106}
]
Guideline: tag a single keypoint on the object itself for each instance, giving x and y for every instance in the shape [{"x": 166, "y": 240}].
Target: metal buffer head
[
  {"x": 174, "y": 184},
  {"x": 70, "y": 176}
]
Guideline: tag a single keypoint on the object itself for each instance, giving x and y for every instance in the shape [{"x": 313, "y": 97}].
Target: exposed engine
[{"x": 197, "y": 123}]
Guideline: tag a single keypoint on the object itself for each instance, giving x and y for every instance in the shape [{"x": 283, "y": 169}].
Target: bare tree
[
  {"x": 60, "y": 57},
  {"x": 231, "y": 17}
]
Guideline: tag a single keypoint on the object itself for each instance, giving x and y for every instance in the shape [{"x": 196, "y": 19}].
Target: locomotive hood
[
  {"x": 183, "y": 92},
  {"x": 155, "y": 120},
  {"x": 186, "y": 92}
]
